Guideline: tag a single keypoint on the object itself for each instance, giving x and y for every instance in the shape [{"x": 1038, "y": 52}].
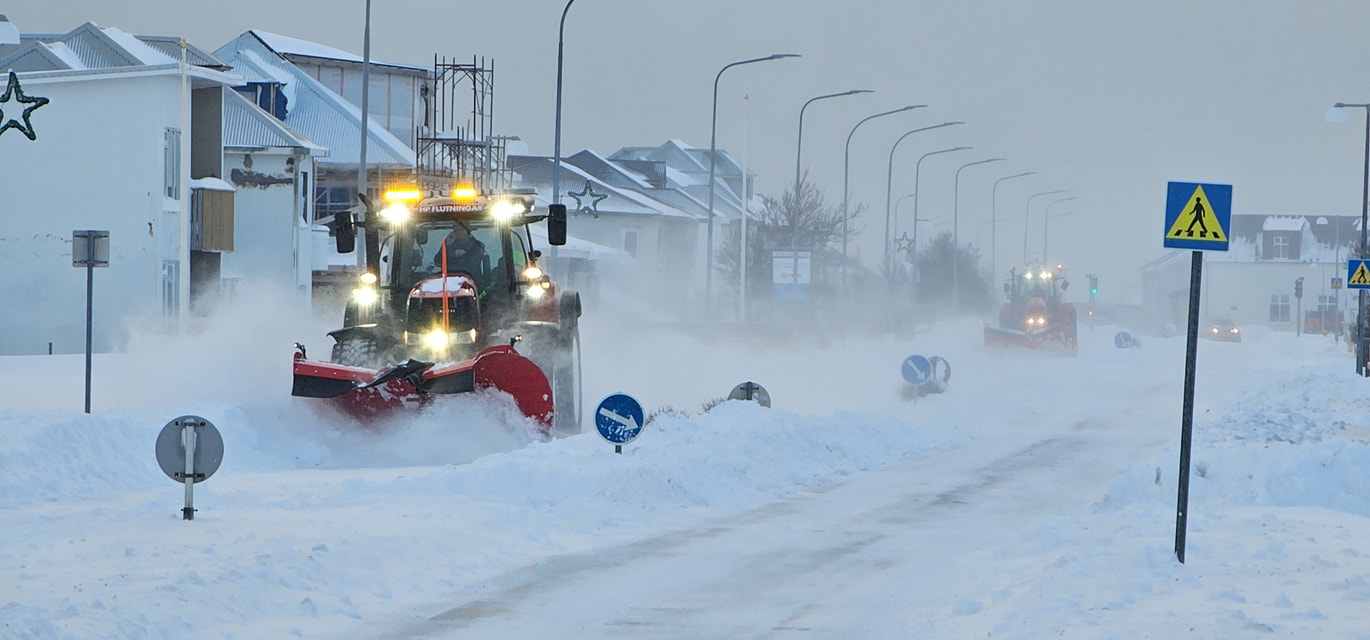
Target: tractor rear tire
[
  {"x": 565, "y": 380},
  {"x": 355, "y": 351}
]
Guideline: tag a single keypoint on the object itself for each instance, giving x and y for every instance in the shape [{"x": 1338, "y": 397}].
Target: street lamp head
[
  {"x": 777, "y": 56},
  {"x": 856, "y": 91}
]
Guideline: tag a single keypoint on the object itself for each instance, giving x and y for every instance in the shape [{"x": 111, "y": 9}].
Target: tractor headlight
[
  {"x": 396, "y": 213},
  {"x": 533, "y": 272},
  {"x": 535, "y": 292},
  {"x": 504, "y": 210},
  {"x": 437, "y": 339},
  {"x": 365, "y": 296}
]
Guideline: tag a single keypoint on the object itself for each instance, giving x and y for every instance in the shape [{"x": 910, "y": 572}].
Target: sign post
[
  {"x": 1358, "y": 277},
  {"x": 89, "y": 249},
  {"x": 189, "y": 449},
  {"x": 751, "y": 392},
  {"x": 619, "y": 419},
  {"x": 1209, "y": 208}
]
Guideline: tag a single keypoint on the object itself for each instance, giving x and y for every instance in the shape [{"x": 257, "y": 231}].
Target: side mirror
[
  {"x": 556, "y": 224},
  {"x": 345, "y": 231},
  {"x": 1065, "y": 284}
]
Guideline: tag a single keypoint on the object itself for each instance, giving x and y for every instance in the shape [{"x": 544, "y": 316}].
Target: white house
[
  {"x": 1253, "y": 282},
  {"x": 271, "y": 170},
  {"x": 114, "y": 148},
  {"x": 294, "y": 80}
]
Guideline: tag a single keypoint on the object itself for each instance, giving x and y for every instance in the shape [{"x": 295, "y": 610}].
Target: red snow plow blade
[
  {"x": 369, "y": 395},
  {"x": 1055, "y": 341}
]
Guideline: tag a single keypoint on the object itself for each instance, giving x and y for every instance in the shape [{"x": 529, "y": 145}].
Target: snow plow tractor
[
  {"x": 1035, "y": 316},
  {"x": 452, "y": 300}
]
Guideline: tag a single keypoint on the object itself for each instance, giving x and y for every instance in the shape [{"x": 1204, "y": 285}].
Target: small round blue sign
[
  {"x": 1124, "y": 340},
  {"x": 619, "y": 418},
  {"x": 917, "y": 370}
]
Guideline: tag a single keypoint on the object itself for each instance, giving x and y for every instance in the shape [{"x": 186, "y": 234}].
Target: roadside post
[
  {"x": 619, "y": 419},
  {"x": 189, "y": 450},
  {"x": 751, "y": 392},
  {"x": 1197, "y": 217},
  {"x": 89, "y": 249}
]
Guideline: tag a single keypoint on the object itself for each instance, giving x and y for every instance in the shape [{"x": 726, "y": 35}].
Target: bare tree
[{"x": 805, "y": 220}]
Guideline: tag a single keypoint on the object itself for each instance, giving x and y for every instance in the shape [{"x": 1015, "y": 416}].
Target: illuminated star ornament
[
  {"x": 588, "y": 193},
  {"x": 903, "y": 243},
  {"x": 14, "y": 90}
]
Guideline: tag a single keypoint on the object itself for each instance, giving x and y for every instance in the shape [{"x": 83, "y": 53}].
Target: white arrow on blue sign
[
  {"x": 917, "y": 370},
  {"x": 619, "y": 418}
]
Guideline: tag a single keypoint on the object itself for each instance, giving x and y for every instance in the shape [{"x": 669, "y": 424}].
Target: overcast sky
[{"x": 1108, "y": 100}]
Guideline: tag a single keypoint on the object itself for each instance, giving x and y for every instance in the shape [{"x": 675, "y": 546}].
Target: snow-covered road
[{"x": 1034, "y": 499}]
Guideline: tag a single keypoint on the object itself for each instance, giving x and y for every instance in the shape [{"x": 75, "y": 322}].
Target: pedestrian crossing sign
[
  {"x": 1357, "y": 274},
  {"x": 1198, "y": 216}
]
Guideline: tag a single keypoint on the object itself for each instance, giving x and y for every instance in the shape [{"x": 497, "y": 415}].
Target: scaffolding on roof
[{"x": 455, "y": 145}]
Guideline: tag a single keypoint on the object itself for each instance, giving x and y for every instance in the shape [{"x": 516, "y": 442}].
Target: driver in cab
[{"x": 465, "y": 254}]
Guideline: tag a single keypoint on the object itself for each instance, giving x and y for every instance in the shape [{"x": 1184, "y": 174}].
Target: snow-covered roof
[
  {"x": 247, "y": 126},
  {"x": 313, "y": 110},
  {"x": 1284, "y": 223},
  {"x": 289, "y": 46},
  {"x": 92, "y": 47}
]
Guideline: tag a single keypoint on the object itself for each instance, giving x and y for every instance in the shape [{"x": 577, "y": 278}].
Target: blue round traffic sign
[
  {"x": 619, "y": 418},
  {"x": 917, "y": 370},
  {"x": 1124, "y": 340}
]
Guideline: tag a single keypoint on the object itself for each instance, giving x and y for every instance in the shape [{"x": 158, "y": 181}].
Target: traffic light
[
  {"x": 1298, "y": 287},
  {"x": 1093, "y": 285}
]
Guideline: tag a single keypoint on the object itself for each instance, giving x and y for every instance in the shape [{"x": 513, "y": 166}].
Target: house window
[
  {"x": 171, "y": 163},
  {"x": 171, "y": 288},
  {"x": 1281, "y": 247},
  {"x": 630, "y": 242},
  {"x": 1279, "y": 307}
]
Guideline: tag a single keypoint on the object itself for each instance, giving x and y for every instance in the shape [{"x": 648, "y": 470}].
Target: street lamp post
[
  {"x": 556, "y": 162},
  {"x": 362, "y": 176},
  {"x": 1046, "y": 229},
  {"x": 955, "y": 238},
  {"x": 798, "y": 153},
  {"x": 846, "y": 174},
  {"x": 1046, "y": 217},
  {"x": 889, "y": 181},
  {"x": 713, "y": 152},
  {"x": 994, "y": 215},
  {"x": 917, "y": 171},
  {"x": 1364, "y": 207},
  {"x": 1027, "y": 216},
  {"x": 896, "y": 213}
]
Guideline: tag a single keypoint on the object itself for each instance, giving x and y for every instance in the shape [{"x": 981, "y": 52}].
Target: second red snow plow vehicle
[
  {"x": 452, "y": 300},
  {"x": 1035, "y": 316}
]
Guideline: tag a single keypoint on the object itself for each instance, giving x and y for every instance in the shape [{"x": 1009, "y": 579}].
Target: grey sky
[{"x": 1108, "y": 100}]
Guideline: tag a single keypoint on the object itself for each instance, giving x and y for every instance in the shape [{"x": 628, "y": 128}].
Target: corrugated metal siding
[{"x": 243, "y": 129}]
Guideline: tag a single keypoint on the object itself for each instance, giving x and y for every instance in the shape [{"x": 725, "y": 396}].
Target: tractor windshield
[
  {"x": 1034, "y": 285},
  {"x": 418, "y": 251}
]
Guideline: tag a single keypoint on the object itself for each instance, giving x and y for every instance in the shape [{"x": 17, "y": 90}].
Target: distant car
[{"x": 1222, "y": 330}]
